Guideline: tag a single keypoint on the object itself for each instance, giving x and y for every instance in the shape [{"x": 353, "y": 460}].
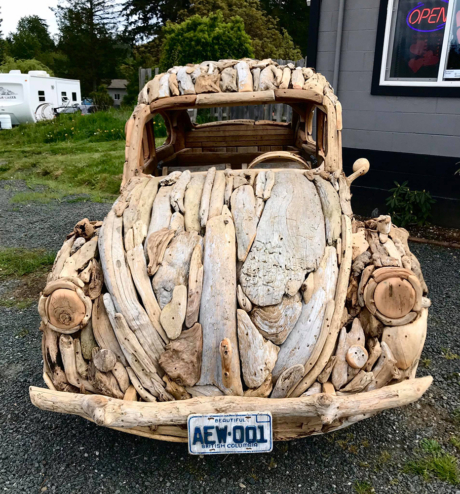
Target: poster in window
[
  {"x": 452, "y": 71},
  {"x": 418, "y": 36}
]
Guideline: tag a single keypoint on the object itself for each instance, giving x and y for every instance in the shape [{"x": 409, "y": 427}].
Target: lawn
[{"x": 70, "y": 155}]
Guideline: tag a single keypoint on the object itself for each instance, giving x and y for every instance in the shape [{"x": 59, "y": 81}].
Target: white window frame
[
  {"x": 388, "y": 46},
  {"x": 116, "y": 96}
]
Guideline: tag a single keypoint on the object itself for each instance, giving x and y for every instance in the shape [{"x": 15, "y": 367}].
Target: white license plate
[{"x": 225, "y": 433}]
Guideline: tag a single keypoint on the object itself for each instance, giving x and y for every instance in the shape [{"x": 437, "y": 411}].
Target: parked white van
[{"x": 35, "y": 96}]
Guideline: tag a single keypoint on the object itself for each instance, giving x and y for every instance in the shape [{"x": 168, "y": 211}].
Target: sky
[{"x": 12, "y": 10}]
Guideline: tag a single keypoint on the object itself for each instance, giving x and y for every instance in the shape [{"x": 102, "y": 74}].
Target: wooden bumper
[{"x": 293, "y": 417}]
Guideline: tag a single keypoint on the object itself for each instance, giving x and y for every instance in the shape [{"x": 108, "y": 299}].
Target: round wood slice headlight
[
  {"x": 64, "y": 307},
  {"x": 393, "y": 295}
]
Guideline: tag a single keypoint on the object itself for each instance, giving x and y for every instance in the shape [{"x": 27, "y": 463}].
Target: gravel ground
[{"x": 46, "y": 452}]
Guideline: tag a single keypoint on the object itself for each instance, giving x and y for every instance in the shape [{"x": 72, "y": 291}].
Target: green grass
[
  {"x": 449, "y": 355},
  {"x": 17, "y": 304},
  {"x": 434, "y": 462},
  {"x": 18, "y": 262},
  {"x": 363, "y": 487},
  {"x": 70, "y": 156}
]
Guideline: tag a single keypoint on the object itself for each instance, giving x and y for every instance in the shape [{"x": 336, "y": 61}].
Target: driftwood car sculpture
[{"x": 237, "y": 280}]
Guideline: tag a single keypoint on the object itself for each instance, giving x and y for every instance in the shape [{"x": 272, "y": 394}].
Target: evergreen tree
[{"x": 89, "y": 36}]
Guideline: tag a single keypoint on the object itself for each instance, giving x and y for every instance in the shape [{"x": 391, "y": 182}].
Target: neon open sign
[{"x": 426, "y": 19}]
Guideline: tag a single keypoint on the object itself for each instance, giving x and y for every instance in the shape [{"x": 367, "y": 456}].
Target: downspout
[{"x": 338, "y": 48}]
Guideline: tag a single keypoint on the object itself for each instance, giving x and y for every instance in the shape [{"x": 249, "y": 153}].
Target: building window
[
  {"x": 64, "y": 96},
  {"x": 74, "y": 96},
  {"x": 116, "y": 96},
  {"x": 41, "y": 96},
  {"x": 421, "y": 46}
]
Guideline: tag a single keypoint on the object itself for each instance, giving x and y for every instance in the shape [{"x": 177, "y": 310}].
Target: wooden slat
[
  {"x": 244, "y": 134},
  {"x": 208, "y": 100},
  {"x": 239, "y": 142}
]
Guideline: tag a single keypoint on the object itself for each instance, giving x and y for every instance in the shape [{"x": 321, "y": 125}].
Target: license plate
[{"x": 225, "y": 433}]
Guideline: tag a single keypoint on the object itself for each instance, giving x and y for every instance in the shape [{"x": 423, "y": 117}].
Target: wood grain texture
[
  {"x": 175, "y": 266},
  {"x": 161, "y": 210},
  {"x": 195, "y": 286},
  {"x": 173, "y": 314},
  {"x": 258, "y": 355},
  {"x": 309, "y": 330},
  {"x": 218, "y": 300},
  {"x": 192, "y": 201},
  {"x": 216, "y": 201},
  {"x": 290, "y": 241},
  {"x": 244, "y": 215},
  {"x": 331, "y": 209}
]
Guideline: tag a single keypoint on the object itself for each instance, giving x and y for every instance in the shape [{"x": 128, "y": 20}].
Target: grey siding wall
[{"x": 428, "y": 126}]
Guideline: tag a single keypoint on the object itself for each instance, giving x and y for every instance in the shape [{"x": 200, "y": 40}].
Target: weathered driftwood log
[
  {"x": 182, "y": 357},
  {"x": 312, "y": 327},
  {"x": 130, "y": 394},
  {"x": 359, "y": 383},
  {"x": 161, "y": 210},
  {"x": 228, "y": 80},
  {"x": 314, "y": 389},
  {"x": 103, "y": 331},
  {"x": 143, "y": 393},
  {"x": 77, "y": 245},
  {"x": 244, "y": 215},
  {"x": 406, "y": 342},
  {"x": 327, "y": 371},
  {"x": 138, "y": 268},
  {"x": 176, "y": 390},
  {"x": 385, "y": 369},
  {"x": 170, "y": 179},
  {"x": 331, "y": 209},
  {"x": 80, "y": 259},
  {"x": 258, "y": 356},
  {"x": 339, "y": 298},
  {"x": 287, "y": 381},
  {"x": 284, "y": 251},
  {"x": 245, "y": 82},
  {"x": 178, "y": 191},
  {"x": 375, "y": 350},
  {"x": 328, "y": 408},
  {"x": 185, "y": 81},
  {"x": 81, "y": 365},
  {"x": 66, "y": 347},
  {"x": 195, "y": 286},
  {"x": 87, "y": 341},
  {"x": 177, "y": 224},
  {"x": 192, "y": 203},
  {"x": 206, "y": 196},
  {"x": 173, "y": 314},
  {"x": 157, "y": 243},
  {"x": 218, "y": 302},
  {"x": 275, "y": 322},
  {"x": 297, "y": 78},
  {"x": 121, "y": 375},
  {"x": 198, "y": 391},
  {"x": 262, "y": 391},
  {"x": 131, "y": 214},
  {"x": 175, "y": 266},
  {"x": 121, "y": 287},
  {"x": 341, "y": 372},
  {"x": 216, "y": 201}
]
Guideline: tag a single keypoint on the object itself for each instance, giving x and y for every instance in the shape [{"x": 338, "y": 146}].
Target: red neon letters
[{"x": 432, "y": 16}]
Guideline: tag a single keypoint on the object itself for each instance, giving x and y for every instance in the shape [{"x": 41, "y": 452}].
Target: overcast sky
[{"x": 13, "y": 10}]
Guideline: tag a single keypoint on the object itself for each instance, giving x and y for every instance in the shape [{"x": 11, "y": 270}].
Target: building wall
[
  {"x": 421, "y": 127},
  {"x": 112, "y": 93}
]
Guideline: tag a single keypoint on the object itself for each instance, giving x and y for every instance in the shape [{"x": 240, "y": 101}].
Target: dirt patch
[{"x": 26, "y": 290}]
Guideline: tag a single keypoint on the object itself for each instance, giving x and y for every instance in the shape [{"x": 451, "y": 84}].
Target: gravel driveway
[{"x": 46, "y": 452}]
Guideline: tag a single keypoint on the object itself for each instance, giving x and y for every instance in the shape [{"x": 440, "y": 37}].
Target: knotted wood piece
[
  {"x": 185, "y": 81},
  {"x": 314, "y": 389},
  {"x": 245, "y": 82},
  {"x": 359, "y": 383},
  {"x": 175, "y": 266},
  {"x": 192, "y": 201},
  {"x": 290, "y": 241},
  {"x": 243, "y": 301},
  {"x": 121, "y": 287},
  {"x": 61, "y": 258},
  {"x": 228, "y": 189},
  {"x": 80, "y": 259},
  {"x": 356, "y": 356},
  {"x": 258, "y": 356},
  {"x": 218, "y": 302},
  {"x": 121, "y": 375},
  {"x": 80, "y": 362},
  {"x": 216, "y": 201},
  {"x": 244, "y": 215},
  {"x": 327, "y": 371},
  {"x": 206, "y": 196},
  {"x": 228, "y": 80},
  {"x": 157, "y": 243},
  {"x": 96, "y": 280},
  {"x": 67, "y": 350},
  {"x": 195, "y": 286},
  {"x": 170, "y": 179},
  {"x": 103, "y": 331},
  {"x": 375, "y": 350},
  {"x": 327, "y": 408},
  {"x": 143, "y": 393},
  {"x": 182, "y": 357},
  {"x": 176, "y": 390},
  {"x": 173, "y": 314},
  {"x": 131, "y": 214},
  {"x": 87, "y": 341},
  {"x": 288, "y": 380},
  {"x": 198, "y": 391},
  {"x": 275, "y": 322},
  {"x": 104, "y": 360},
  {"x": 310, "y": 331},
  {"x": 331, "y": 209}
]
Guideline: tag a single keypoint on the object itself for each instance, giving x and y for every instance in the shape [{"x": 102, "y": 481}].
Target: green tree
[
  {"x": 32, "y": 40},
  {"x": 202, "y": 38},
  {"x": 88, "y": 35},
  {"x": 268, "y": 39},
  {"x": 101, "y": 98},
  {"x": 9, "y": 63},
  {"x": 2, "y": 41},
  {"x": 293, "y": 15}
]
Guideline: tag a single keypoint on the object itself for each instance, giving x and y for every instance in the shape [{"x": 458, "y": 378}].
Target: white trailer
[{"x": 35, "y": 96}]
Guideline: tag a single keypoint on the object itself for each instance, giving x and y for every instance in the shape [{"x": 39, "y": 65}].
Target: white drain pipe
[{"x": 338, "y": 48}]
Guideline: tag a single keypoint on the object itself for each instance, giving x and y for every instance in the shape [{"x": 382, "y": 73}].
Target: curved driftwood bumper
[{"x": 293, "y": 417}]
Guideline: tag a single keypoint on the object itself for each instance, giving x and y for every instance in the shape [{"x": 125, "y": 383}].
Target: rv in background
[{"x": 35, "y": 96}]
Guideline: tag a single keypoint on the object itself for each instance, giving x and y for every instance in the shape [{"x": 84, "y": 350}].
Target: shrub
[
  {"x": 204, "y": 38},
  {"x": 101, "y": 98},
  {"x": 9, "y": 63},
  {"x": 409, "y": 207}
]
